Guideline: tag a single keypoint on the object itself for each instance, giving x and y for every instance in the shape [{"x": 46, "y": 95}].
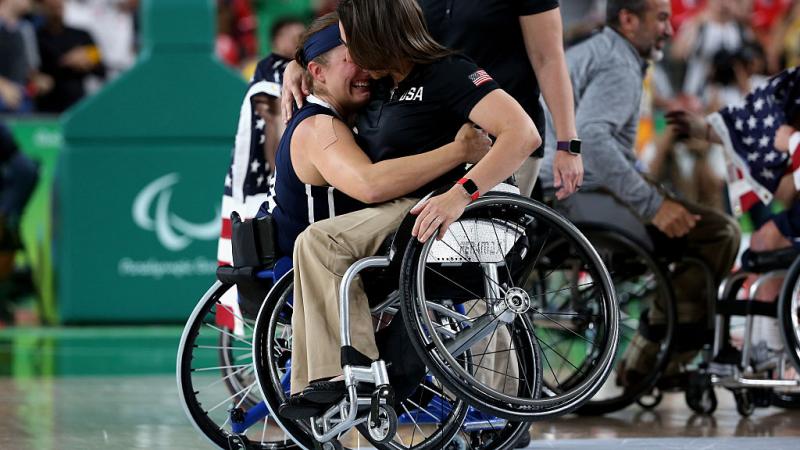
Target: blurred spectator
[
  {"x": 111, "y": 25},
  {"x": 19, "y": 58},
  {"x": 69, "y": 55},
  {"x": 323, "y": 7},
  {"x": 683, "y": 10},
  {"x": 243, "y": 29},
  {"x": 236, "y": 42},
  {"x": 581, "y": 18},
  {"x": 285, "y": 35},
  {"x": 784, "y": 49},
  {"x": 733, "y": 75},
  {"x": 18, "y": 176},
  {"x": 766, "y": 14},
  {"x": 224, "y": 44},
  {"x": 717, "y": 27}
]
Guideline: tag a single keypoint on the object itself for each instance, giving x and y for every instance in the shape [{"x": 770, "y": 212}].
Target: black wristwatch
[
  {"x": 470, "y": 187},
  {"x": 572, "y": 146}
]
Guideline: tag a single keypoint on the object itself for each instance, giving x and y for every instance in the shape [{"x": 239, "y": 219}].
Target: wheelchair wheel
[
  {"x": 640, "y": 285},
  {"x": 524, "y": 271},
  {"x": 215, "y": 373},
  {"x": 236, "y": 379},
  {"x": 428, "y": 419},
  {"x": 789, "y": 313},
  {"x": 493, "y": 434}
]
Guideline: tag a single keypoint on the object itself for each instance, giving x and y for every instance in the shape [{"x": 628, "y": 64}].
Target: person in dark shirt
[
  {"x": 424, "y": 96},
  {"x": 69, "y": 55},
  {"x": 19, "y": 59},
  {"x": 519, "y": 43}
]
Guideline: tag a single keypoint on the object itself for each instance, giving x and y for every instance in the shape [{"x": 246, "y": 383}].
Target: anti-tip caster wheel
[{"x": 383, "y": 428}]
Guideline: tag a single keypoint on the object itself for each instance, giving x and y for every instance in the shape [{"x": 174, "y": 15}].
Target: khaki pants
[
  {"x": 322, "y": 254},
  {"x": 495, "y": 357},
  {"x": 527, "y": 174}
]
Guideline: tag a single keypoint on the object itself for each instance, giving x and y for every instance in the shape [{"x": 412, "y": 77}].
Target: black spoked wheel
[
  {"x": 428, "y": 419},
  {"x": 789, "y": 314},
  {"x": 647, "y": 322},
  {"x": 215, "y": 373},
  {"x": 237, "y": 369},
  {"x": 522, "y": 273}
]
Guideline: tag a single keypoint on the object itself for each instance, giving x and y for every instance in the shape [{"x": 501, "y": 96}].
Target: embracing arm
[
  {"x": 334, "y": 153},
  {"x": 543, "y": 37},
  {"x": 500, "y": 116}
]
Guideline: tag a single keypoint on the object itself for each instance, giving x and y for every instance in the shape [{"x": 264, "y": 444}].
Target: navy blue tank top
[{"x": 296, "y": 204}]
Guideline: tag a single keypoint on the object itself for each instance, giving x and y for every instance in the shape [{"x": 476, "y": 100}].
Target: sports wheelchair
[
  {"x": 641, "y": 277},
  {"x": 511, "y": 278},
  {"x": 764, "y": 372}
]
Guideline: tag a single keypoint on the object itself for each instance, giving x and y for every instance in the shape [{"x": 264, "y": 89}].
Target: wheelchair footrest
[
  {"x": 760, "y": 262},
  {"x": 747, "y": 308}
]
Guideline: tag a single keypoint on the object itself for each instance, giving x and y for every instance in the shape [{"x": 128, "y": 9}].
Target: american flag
[
  {"x": 747, "y": 132},
  {"x": 249, "y": 180},
  {"x": 480, "y": 77}
]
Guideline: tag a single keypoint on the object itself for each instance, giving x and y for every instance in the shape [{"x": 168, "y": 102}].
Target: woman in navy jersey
[
  {"x": 423, "y": 95},
  {"x": 321, "y": 171}
]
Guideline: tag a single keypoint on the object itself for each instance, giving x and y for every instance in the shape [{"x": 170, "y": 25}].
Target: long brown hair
[{"x": 383, "y": 34}]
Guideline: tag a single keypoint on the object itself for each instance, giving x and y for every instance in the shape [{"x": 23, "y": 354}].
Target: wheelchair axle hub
[{"x": 517, "y": 300}]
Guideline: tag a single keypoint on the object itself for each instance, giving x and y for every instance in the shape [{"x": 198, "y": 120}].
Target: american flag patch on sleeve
[{"x": 480, "y": 77}]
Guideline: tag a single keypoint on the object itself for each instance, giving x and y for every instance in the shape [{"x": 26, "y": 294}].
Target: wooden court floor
[{"x": 114, "y": 388}]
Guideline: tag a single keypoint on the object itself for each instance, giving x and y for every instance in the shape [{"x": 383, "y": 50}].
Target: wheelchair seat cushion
[{"x": 761, "y": 262}]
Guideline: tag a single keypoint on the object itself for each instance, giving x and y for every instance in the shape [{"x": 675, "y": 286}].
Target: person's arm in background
[
  {"x": 11, "y": 95},
  {"x": 543, "y": 37},
  {"x": 686, "y": 39},
  {"x": 266, "y": 106}
]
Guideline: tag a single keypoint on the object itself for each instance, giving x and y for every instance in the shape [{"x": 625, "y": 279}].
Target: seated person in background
[
  {"x": 20, "y": 79},
  {"x": 762, "y": 145},
  {"x": 766, "y": 121},
  {"x": 69, "y": 55},
  {"x": 424, "y": 95},
  {"x": 248, "y": 179},
  {"x": 607, "y": 72},
  {"x": 18, "y": 177}
]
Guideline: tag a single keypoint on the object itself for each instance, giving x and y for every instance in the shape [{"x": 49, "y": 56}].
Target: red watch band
[{"x": 470, "y": 187}]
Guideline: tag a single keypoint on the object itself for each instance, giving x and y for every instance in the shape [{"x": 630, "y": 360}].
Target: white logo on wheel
[{"x": 173, "y": 232}]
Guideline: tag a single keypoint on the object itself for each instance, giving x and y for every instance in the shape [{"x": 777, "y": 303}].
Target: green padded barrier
[{"x": 139, "y": 182}]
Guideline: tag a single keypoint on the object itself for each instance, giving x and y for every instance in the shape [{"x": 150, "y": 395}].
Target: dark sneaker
[{"x": 297, "y": 407}]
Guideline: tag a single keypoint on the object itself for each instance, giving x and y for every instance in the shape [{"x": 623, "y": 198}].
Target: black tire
[
  {"x": 745, "y": 405},
  {"x": 785, "y": 400},
  {"x": 204, "y": 396},
  {"x": 497, "y": 438},
  {"x": 703, "y": 401},
  {"x": 527, "y": 228},
  {"x": 789, "y": 313},
  {"x": 274, "y": 323},
  {"x": 639, "y": 282}
]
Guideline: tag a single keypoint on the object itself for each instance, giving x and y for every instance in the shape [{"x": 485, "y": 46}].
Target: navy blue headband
[{"x": 321, "y": 42}]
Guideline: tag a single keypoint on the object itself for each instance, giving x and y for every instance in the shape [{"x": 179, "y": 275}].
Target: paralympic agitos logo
[{"x": 151, "y": 212}]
